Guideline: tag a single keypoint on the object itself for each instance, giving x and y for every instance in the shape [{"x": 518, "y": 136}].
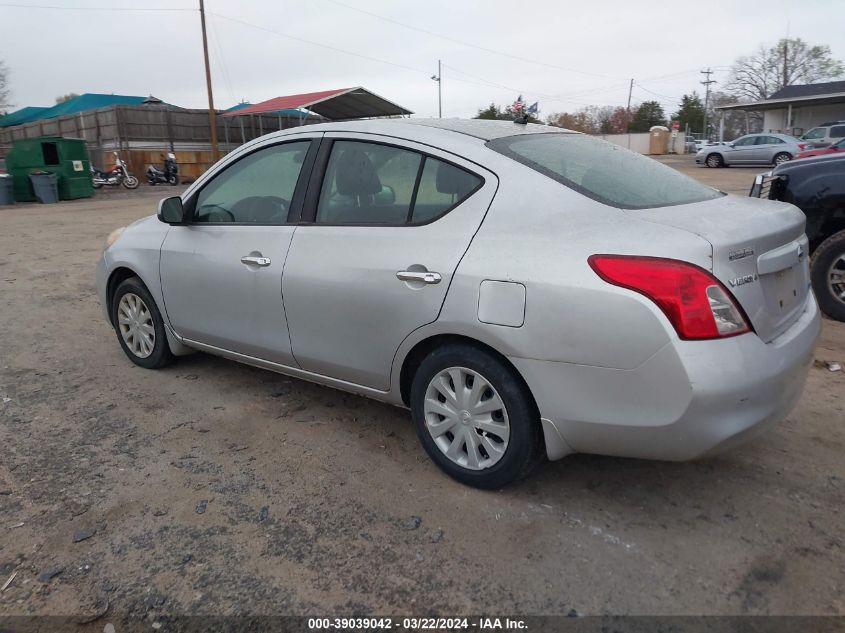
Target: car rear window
[
  {"x": 837, "y": 131},
  {"x": 603, "y": 171}
]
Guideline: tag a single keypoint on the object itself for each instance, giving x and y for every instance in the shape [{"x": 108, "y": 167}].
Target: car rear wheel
[
  {"x": 475, "y": 417},
  {"x": 139, "y": 326},
  {"x": 827, "y": 272},
  {"x": 781, "y": 158},
  {"x": 715, "y": 160}
]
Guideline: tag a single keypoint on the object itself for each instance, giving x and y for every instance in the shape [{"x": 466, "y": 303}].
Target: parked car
[
  {"x": 839, "y": 146},
  {"x": 816, "y": 185},
  {"x": 521, "y": 288},
  {"x": 751, "y": 149},
  {"x": 825, "y": 134}
]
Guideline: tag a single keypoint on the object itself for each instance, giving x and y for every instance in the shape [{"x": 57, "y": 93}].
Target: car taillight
[{"x": 694, "y": 301}]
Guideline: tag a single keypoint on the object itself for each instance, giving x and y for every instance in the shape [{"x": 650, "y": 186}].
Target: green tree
[
  {"x": 649, "y": 113},
  {"x": 498, "y": 113},
  {"x": 691, "y": 112},
  {"x": 790, "y": 61},
  {"x": 493, "y": 112},
  {"x": 4, "y": 88}
]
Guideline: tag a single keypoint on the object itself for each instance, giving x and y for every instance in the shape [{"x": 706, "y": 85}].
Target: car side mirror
[
  {"x": 170, "y": 210},
  {"x": 385, "y": 197},
  {"x": 731, "y": 144}
]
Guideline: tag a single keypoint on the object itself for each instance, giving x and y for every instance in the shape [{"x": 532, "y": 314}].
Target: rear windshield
[{"x": 602, "y": 171}]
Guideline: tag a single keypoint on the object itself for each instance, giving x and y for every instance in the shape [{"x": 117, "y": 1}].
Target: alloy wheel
[
  {"x": 466, "y": 418},
  {"x": 836, "y": 278},
  {"x": 136, "y": 325}
]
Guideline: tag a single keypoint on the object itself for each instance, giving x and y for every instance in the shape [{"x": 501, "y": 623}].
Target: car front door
[
  {"x": 742, "y": 151},
  {"x": 221, "y": 274},
  {"x": 387, "y": 223}
]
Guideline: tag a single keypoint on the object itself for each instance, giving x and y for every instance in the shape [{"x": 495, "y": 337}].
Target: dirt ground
[{"x": 215, "y": 488}]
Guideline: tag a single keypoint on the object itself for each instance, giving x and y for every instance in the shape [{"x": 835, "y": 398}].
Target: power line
[
  {"x": 13, "y": 5},
  {"x": 313, "y": 43},
  {"x": 470, "y": 44},
  {"x": 217, "y": 45}
]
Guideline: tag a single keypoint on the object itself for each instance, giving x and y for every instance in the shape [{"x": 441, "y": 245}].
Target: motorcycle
[
  {"x": 114, "y": 177},
  {"x": 169, "y": 175}
]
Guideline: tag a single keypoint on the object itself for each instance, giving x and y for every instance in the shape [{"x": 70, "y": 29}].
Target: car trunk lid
[{"x": 760, "y": 253}]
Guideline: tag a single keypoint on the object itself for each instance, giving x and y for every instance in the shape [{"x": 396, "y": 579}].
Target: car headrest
[
  {"x": 452, "y": 180},
  {"x": 356, "y": 175}
]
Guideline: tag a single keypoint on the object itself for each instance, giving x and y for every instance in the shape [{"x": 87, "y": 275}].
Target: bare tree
[
  {"x": 790, "y": 61},
  {"x": 4, "y": 87}
]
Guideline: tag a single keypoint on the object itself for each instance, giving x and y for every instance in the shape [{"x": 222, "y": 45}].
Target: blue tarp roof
[
  {"x": 87, "y": 101},
  {"x": 24, "y": 115}
]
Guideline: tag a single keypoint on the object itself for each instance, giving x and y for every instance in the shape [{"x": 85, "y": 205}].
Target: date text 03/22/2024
[{"x": 417, "y": 624}]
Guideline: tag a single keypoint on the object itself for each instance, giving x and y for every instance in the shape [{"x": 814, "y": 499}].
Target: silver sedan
[
  {"x": 752, "y": 149},
  {"x": 523, "y": 290}
]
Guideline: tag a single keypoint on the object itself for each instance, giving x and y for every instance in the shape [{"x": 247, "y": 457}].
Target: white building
[{"x": 795, "y": 109}]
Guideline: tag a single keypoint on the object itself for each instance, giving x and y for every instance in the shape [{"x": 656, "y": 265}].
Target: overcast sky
[{"x": 575, "y": 53}]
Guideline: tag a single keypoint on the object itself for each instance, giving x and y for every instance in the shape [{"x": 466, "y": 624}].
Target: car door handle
[
  {"x": 255, "y": 261},
  {"x": 424, "y": 276}
]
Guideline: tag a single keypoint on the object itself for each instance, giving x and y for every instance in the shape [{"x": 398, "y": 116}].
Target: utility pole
[
  {"x": 438, "y": 78},
  {"x": 628, "y": 109},
  {"x": 785, "y": 82},
  {"x": 212, "y": 115},
  {"x": 706, "y": 83}
]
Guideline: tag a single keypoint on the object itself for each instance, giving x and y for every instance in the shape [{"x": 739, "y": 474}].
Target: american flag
[{"x": 518, "y": 105}]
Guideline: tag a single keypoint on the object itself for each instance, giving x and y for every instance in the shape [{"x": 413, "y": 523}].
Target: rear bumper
[{"x": 690, "y": 399}]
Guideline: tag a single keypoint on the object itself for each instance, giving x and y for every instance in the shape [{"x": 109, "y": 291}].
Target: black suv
[{"x": 816, "y": 185}]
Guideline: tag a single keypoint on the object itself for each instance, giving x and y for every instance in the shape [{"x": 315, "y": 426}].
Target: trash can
[
  {"x": 45, "y": 186},
  {"x": 67, "y": 158},
  {"x": 7, "y": 192}
]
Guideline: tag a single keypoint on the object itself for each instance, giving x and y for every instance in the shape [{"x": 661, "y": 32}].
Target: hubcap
[
  {"x": 466, "y": 418},
  {"x": 836, "y": 278},
  {"x": 781, "y": 159},
  {"x": 136, "y": 325}
]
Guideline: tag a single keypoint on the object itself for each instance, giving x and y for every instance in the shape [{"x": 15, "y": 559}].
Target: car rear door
[
  {"x": 221, "y": 274},
  {"x": 385, "y": 226}
]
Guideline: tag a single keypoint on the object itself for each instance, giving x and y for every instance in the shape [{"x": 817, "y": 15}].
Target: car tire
[
  {"x": 827, "y": 274},
  {"x": 495, "y": 445},
  {"x": 714, "y": 160},
  {"x": 139, "y": 326},
  {"x": 783, "y": 157}
]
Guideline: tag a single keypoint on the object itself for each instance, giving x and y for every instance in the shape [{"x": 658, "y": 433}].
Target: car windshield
[{"x": 603, "y": 171}]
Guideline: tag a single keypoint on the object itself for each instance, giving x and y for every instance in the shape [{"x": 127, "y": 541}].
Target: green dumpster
[{"x": 65, "y": 157}]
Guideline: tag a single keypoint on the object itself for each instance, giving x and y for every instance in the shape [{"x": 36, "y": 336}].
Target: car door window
[
  {"x": 442, "y": 187},
  {"x": 748, "y": 140},
  {"x": 368, "y": 183},
  {"x": 257, "y": 189},
  {"x": 837, "y": 131},
  {"x": 816, "y": 132}
]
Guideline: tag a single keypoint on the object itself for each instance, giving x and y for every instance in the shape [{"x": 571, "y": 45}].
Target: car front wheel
[
  {"x": 139, "y": 326},
  {"x": 715, "y": 160},
  {"x": 474, "y": 416},
  {"x": 827, "y": 272}
]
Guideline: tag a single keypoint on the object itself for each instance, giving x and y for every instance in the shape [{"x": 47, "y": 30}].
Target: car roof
[{"x": 483, "y": 129}]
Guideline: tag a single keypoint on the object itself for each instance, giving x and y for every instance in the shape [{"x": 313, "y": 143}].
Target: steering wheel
[
  {"x": 215, "y": 213},
  {"x": 262, "y": 209}
]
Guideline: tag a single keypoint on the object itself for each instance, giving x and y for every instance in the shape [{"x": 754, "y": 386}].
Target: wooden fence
[{"x": 141, "y": 133}]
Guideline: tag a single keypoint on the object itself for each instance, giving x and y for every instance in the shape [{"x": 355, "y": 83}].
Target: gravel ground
[{"x": 215, "y": 488}]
